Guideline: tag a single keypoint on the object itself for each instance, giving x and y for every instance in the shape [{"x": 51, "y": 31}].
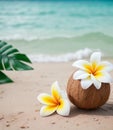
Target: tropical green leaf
[
  {"x": 12, "y": 59},
  {"x": 4, "y": 78},
  {"x": 12, "y": 51},
  {"x": 6, "y": 64},
  {"x": 2, "y": 43},
  {"x": 1, "y": 66},
  {"x": 22, "y": 57},
  {"x": 18, "y": 65}
]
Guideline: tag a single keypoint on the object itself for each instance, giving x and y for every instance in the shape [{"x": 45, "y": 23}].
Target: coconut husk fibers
[{"x": 90, "y": 98}]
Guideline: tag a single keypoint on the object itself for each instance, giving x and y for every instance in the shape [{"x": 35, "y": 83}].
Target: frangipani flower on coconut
[
  {"x": 57, "y": 101},
  {"x": 94, "y": 71}
]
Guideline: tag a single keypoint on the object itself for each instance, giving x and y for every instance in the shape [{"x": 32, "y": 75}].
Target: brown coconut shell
[{"x": 90, "y": 98}]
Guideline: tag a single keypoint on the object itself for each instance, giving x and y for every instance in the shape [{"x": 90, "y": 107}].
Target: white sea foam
[
  {"x": 37, "y": 36},
  {"x": 80, "y": 54},
  {"x": 19, "y": 37}
]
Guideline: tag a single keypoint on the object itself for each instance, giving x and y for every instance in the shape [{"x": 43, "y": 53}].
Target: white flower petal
[
  {"x": 56, "y": 91},
  {"x": 105, "y": 78},
  {"x": 80, "y": 64},
  {"x": 95, "y": 57},
  {"x": 64, "y": 107},
  {"x": 55, "y": 86},
  {"x": 80, "y": 75},
  {"x": 57, "y": 102},
  {"x": 107, "y": 65},
  {"x": 47, "y": 110},
  {"x": 46, "y": 99},
  {"x": 64, "y": 94},
  {"x": 93, "y": 72},
  {"x": 86, "y": 83},
  {"x": 96, "y": 83}
]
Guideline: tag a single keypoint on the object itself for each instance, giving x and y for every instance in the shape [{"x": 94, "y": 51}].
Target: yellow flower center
[
  {"x": 94, "y": 69},
  {"x": 58, "y": 102}
]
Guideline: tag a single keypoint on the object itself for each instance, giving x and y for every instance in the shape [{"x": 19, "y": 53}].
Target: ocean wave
[
  {"x": 91, "y": 35},
  {"x": 59, "y": 48},
  {"x": 80, "y": 54}
]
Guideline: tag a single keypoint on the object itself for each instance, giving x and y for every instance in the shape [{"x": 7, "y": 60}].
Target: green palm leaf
[
  {"x": 11, "y": 59},
  {"x": 4, "y": 78}
]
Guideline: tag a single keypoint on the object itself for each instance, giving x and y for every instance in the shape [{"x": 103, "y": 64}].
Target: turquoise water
[
  {"x": 57, "y": 27},
  {"x": 34, "y": 20}
]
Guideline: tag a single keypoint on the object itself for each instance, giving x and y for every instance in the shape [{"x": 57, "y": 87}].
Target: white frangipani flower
[
  {"x": 57, "y": 101},
  {"x": 93, "y": 72}
]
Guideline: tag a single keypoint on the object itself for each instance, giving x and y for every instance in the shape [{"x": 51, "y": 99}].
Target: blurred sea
[{"x": 58, "y": 30}]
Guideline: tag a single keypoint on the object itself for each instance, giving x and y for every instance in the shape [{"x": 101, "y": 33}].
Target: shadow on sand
[{"x": 105, "y": 110}]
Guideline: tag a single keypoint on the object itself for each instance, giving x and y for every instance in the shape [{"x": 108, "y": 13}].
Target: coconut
[{"x": 90, "y": 98}]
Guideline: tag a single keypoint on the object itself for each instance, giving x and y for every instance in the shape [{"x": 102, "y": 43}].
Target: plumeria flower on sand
[
  {"x": 93, "y": 72},
  {"x": 57, "y": 101}
]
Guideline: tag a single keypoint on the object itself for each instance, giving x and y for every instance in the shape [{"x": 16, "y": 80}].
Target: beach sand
[{"x": 19, "y": 107}]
